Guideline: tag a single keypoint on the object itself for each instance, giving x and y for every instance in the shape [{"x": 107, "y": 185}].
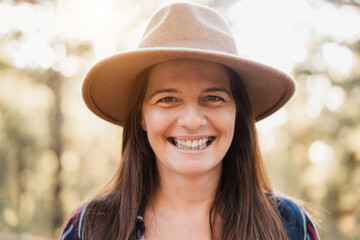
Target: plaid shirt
[
  {"x": 297, "y": 223},
  {"x": 74, "y": 227}
]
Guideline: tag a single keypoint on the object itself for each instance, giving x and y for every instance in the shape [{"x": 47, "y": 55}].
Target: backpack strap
[
  {"x": 74, "y": 228},
  {"x": 313, "y": 234},
  {"x": 296, "y": 221}
]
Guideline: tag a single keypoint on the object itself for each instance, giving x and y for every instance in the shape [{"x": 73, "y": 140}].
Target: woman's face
[{"x": 189, "y": 116}]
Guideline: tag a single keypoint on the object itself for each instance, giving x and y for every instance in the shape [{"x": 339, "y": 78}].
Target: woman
[{"x": 191, "y": 166}]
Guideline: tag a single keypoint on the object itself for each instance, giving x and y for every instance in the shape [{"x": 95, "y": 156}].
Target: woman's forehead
[{"x": 188, "y": 71}]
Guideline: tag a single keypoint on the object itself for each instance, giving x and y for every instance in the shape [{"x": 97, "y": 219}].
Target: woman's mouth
[{"x": 197, "y": 144}]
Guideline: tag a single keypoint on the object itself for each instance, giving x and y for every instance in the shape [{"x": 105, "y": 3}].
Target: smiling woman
[
  {"x": 193, "y": 102},
  {"x": 191, "y": 166}
]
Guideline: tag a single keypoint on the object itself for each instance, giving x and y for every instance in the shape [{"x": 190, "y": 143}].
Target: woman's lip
[
  {"x": 191, "y": 138},
  {"x": 191, "y": 150}
]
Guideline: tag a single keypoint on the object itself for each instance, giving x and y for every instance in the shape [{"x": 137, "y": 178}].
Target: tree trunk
[{"x": 55, "y": 83}]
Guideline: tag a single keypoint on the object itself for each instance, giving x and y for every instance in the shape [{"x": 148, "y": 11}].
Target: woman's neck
[
  {"x": 181, "y": 206},
  {"x": 186, "y": 193}
]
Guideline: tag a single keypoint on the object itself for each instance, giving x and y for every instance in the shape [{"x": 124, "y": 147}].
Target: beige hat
[{"x": 180, "y": 31}]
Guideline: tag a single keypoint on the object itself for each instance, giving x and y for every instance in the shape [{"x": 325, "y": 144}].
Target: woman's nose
[{"x": 192, "y": 117}]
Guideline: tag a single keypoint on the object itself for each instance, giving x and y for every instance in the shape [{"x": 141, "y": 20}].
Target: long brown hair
[{"x": 243, "y": 200}]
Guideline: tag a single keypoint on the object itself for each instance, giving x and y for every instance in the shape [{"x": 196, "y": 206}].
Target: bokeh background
[{"x": 54, "y": 154}]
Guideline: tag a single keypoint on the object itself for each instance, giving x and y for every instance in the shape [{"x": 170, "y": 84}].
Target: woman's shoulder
[
  {"x": 100, "y": 209},
  {"x": 297, "y": 221},
  {"x": 74, "y": 227}
]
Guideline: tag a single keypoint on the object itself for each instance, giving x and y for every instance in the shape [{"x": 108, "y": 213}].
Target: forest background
[{"x": 54, "y": 153}]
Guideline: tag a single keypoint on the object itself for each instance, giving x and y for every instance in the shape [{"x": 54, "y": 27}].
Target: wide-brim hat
[{"x": 182, "y": 31}]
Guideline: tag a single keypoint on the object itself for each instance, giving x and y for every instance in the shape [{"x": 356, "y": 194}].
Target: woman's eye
[
  {"x": 214, "y": 99},
  {"x": 167, "y": 100}
]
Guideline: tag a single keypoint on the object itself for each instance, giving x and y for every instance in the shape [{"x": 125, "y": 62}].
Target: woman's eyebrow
[
  {"x": 164, "y": 90},
  {"x": 215, "y": 89}
]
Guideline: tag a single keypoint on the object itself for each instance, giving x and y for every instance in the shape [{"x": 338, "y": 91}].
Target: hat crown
[
  {"x": 182, "y": 31},
  {"x": 185, "y": 25}
]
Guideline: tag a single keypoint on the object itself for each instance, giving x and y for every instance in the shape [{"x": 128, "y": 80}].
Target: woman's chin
[{"x": 195, "y": 169}]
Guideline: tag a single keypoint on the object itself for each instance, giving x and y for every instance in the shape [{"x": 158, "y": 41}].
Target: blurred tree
[
  {"x": 355, "y": 3},
  {"x": 53, "y": 155},
  {"x": 55, "y": 83},
  {"x": 332, "y": 175},
  {"x": 13, "y": 154}
]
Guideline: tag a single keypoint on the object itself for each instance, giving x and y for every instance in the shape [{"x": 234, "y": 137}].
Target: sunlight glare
[
  {"x": 104, "y": 44},
  {"x": 275, "y": 120},
  {"x": 266, "y": 126},
  {"x": 134, "y": 37},
  {"x": 34, "y": 52},
  {"x": 266, "y": 142},
  {"x": 339, "y": 58},
  {"x": 268, "y": 33},
  {"x": 60, "y": 54},
  {"x": 318, "y": 88},
  {"x": 318, "y": 62},
  {"x": 98, "y": 21},
  {"x": 26, "y": 19},
  {"x": 339, "y": 23},
  {"x": 6, "y": 15},
  {"x": 313, "y": 108},
  {"x": 69, "y": 66},
  {"x": 335, "y": 98},
  {"x": 320, "y": 153}
]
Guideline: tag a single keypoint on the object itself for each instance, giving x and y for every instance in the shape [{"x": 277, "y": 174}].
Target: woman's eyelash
[
  {"x": 210, "y": 98},
  {"x": 213, "y": 98},
  {"x": 167, "y": 100}
]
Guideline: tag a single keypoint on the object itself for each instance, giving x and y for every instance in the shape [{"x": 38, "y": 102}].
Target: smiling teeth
[{"x": 197, "y": 144}]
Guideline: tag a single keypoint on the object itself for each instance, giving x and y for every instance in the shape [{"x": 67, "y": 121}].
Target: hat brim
[{"x": 107, "y": 85}]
